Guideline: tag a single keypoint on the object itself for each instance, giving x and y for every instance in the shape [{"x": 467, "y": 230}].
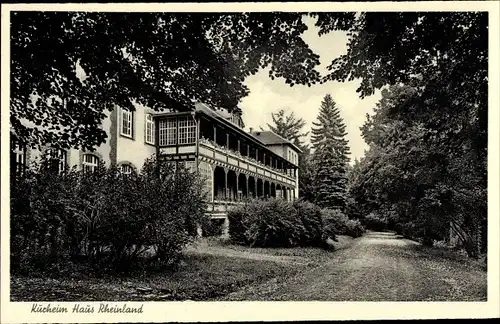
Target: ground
[{"x": 375, "y": 267}]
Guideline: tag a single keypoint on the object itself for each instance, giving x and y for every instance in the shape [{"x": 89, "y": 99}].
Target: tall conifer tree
[{"x": 330, "y": 156}]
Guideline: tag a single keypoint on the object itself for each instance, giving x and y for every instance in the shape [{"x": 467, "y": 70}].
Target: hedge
[
  {"x": 108, "y": 219},
  {"x": 279, "y": 223}
]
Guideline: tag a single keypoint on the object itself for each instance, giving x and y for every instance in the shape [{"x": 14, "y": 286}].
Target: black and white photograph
[{"x": 154, "y": 154}]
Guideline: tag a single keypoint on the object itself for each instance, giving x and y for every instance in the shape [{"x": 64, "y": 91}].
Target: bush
[
  {"x": 276, "y": 223},
  {"x": 105, "y": 218},
  {"x": 213, "y": 227},
  {"x": 266, "y": 223},
  {"x": 312, "y": 220},
  {"x": 354, "y": 228},
  {"x": 375, "y": 222},
  {"x": 337, "y": 223}
]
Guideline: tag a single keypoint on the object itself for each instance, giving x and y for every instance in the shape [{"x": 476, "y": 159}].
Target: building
[{"x": 236, "y": 164}]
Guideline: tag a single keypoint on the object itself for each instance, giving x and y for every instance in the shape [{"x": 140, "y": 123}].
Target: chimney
[{"x": 251, "y": 129}]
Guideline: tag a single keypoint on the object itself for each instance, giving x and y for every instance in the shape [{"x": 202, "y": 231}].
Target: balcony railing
[{"x": 238, "y": 156}]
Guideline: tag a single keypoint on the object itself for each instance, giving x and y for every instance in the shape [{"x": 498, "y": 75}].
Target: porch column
[
  {"x": 225, "y": 184},
  {"x": 264, "y": 158},
  {"x": 212, "y": 189},
  {"x": 248, "y": 192},
  {"x": 239, "y": 147},
  {"x": 227, "y": 140},
  {"x": 256, "y": 154},
  {"x": 237, "y": 186},
  {"x": 248, "y": 150},
  {"x": 215, "y": 134},
  {"x": 256, "y": 191}
]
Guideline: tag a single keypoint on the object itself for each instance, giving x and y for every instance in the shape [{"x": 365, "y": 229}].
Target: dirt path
[{"x": 378, "y": 267}]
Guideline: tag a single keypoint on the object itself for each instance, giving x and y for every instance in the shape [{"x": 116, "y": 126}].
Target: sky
[{"x": 268, "y": 96}]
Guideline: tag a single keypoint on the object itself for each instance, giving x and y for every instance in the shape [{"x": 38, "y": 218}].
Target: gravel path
[{"x": 378, "y": 267}]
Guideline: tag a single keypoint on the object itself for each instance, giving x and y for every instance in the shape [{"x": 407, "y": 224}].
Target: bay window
[
  {"x": 187, "y": 130},
  {"x": 167, "y": 132}
]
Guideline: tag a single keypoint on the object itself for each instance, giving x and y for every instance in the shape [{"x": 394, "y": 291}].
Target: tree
[
  {"x": 306, "y": 175},
  {"x": 412, "y": 178},
  {"x": 448, "y": 69},
  {"x": 69, "y": 68},
  {"x": 288, "y": 127},
  {"x": 429, "y": 136},
  {"x": 330, "y": 156}
]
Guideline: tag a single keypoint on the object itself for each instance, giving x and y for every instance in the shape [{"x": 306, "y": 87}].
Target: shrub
[
  {"x": 354, "y": 228},
  {"x": 278, "y": 223},
  {"x": 312, "y": 220},
  {"x": 337, "y": 223},
  {"x": 213, "y": 227},
  {"x": 38, "y": 217},
  {"x": 375, "y": 222},
  {"x": 108, "y": 219},
  {"x": 275, "y": 223},
  {"x": 239, "y": 220}
]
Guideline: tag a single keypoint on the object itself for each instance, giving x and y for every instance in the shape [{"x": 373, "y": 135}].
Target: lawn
[{"x": 210, "y": 270}]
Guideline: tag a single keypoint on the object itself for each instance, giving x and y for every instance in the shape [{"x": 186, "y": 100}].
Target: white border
[{"x": 15, "y": 312}]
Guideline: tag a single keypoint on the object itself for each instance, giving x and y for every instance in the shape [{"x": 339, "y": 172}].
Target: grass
[
  {"x": 209, "y": 270},
  {"x": 199, "y": 277},
  {"x": 312, "y": 253},
  {"x": 376, "y": 267}
]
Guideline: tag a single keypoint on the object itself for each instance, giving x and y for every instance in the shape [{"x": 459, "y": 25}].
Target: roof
[
  {"x": 207, "y": 110},
  {"x": 271, "y": 138},
  {"x": 221, "y": 115},
  {"x": 216, "y": 114}
]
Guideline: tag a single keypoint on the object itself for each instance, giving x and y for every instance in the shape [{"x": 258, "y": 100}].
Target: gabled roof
[
  {"x": 207, "y": 110},
  {"x": 220, "y": 113},
  {"x": 271, "y": 138}
]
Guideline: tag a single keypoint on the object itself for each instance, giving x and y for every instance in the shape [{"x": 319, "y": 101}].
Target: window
[
  {"x": 187, "y": 131},
  {"x": 57, "y": 159},
  {"x": 126, "y": 123},
  {"x": 18, "y": 157},
  {"x": 150, "y": 129},
  {"x": 167, "y": 132},
  {"x": 126, "y": 169},
  {"x": 90, "y": 163}
]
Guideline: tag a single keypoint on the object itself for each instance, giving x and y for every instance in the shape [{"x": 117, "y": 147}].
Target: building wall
[
  {"x": 74, "y": 156},
  {"x": 290, "y": 155},
  {"x": 133, "y": 150},
  {"x": 117, "y": 148},
  {"x": 278, "y": 149},
  {"x": 293, "y": 156}
]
